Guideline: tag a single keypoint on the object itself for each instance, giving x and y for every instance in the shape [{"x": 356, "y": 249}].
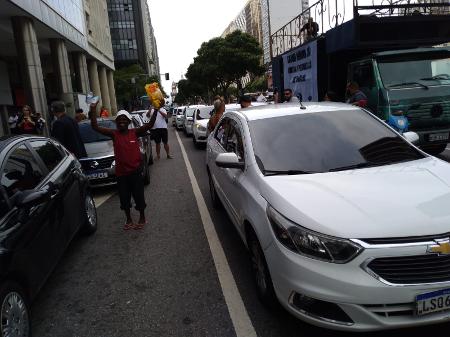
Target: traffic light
[{"x": 167, "y": 76}]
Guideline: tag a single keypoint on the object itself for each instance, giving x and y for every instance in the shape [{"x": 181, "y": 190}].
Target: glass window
[
  {"x": 204, "y": 113},
  {"x": 326, "y": 141},
  {"x": 234, "y": 141},
  {"x": 48, "y": 152},
  {"x": 222, "y": 132},
  {"x": 21, "y": 171},
  {"x": 88, "y": 135}
]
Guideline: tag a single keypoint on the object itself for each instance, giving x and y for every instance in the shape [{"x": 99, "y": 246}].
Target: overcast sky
[{"x": 182, "y": 25}]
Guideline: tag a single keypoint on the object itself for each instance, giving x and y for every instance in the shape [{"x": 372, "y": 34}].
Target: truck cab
[{"x": 415, "y": 83}]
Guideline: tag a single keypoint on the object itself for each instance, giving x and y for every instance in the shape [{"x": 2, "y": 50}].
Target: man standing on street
[
  {"x": 159, "y": 132},
  {"x": 65, "y": 130}
]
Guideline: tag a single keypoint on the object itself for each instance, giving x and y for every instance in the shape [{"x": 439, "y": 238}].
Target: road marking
[{"x": 241, "y": 321}]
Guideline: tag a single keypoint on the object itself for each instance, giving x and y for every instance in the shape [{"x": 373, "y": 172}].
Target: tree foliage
[
  {"x": 221, "y": 62},
  {"x": 126, "y": 91}
]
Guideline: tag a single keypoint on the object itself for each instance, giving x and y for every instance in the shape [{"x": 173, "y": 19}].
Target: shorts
[
  {"x": 131, "y": 185},
  {"x": 159, "y": 135}
]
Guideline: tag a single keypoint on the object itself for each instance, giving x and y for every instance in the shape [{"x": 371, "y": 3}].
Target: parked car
[
  {"x": 44, "y": 202},
  {"x": 99, "y": 165},
  {"x": 179, "y": 119},
  {"x": 345, "y": 220},
  {"x": 188, "y": 120},
  {"x": 142, "y": 118},
  {"x": 199, "y": 130}
]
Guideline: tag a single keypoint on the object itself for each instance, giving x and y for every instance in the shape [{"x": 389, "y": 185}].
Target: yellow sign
[{"x": 441, "y": 248}]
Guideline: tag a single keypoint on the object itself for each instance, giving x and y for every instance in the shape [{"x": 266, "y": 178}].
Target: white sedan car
[
  {"x": 347, "y": 222},
  {"x": 201, "y": 119}
]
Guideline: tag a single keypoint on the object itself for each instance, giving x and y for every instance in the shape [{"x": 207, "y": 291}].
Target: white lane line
[
  {"x": 241, "y": 321},
  {"x": 99, "y": 200}
]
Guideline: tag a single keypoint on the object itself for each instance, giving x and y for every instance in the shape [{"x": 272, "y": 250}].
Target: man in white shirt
[{"x": 159, "y": 133}]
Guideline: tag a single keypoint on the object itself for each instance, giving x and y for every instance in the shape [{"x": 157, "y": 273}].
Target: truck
[{"x": 397, "y": 74}]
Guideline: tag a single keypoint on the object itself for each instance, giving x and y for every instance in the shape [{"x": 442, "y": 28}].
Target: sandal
[
  {"x": 128, "y": 226},
  {"x": 140, "y": 225}
]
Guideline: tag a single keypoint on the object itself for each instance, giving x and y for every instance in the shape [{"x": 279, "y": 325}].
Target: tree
[
  {"x": 221, "y": 62},
  {"x": 127, "y": 91}
]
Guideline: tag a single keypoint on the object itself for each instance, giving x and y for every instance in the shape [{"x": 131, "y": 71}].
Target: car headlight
[
  {"x": 309, "y": 243},
  {"x": 200, "y": 127}
]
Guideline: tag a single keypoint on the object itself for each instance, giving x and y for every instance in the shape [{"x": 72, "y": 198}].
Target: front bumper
[
  {"x": 179, "y": 123},
  {"x": 200, "y": 136},
  {"x": 371, "y": 304}
]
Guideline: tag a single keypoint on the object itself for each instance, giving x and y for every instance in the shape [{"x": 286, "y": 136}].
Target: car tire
[
  {"x": 213, "y": 193},
  {"x": 90, "y": 215},
  {"x": 14, "y": 310},
  {"x": 261, "y": 274}
]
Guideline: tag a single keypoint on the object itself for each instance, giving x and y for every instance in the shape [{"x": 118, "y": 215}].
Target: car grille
[
  {"x": 416, "y": 269},
  {"x": 103, "y": 163},
  {"x": 406, "y": 239},
  {"x": 391, "y": 310},
  {"x": 426, "y": 110}
]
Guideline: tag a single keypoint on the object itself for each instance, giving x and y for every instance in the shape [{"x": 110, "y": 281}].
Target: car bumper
[
  {"x": 200, "y": 136},
  {"x": 368, "y": 303}
]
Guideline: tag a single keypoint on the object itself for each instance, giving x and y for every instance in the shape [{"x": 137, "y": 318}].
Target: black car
[
  {"x": 99, "y": 165},
  {"x": 44, "y": 202}
]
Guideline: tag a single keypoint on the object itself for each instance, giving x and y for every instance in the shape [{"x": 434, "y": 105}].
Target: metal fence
[{"x": 331, "y": 13}]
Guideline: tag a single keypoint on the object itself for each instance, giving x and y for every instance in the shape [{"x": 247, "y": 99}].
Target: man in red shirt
[{"x": 128, "y": 162}]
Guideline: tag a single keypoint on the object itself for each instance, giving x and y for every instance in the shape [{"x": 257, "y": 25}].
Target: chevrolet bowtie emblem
[{"x": 441, "y": 248}]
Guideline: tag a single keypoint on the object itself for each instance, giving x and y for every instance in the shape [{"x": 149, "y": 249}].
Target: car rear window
[{"x": 88, "y": 135}]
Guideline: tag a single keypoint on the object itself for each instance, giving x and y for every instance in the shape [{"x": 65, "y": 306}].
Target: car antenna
[{"x": 302, "y": 107}]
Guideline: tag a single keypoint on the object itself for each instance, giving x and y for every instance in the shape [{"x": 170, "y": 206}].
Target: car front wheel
[
  {"x": 261, "y": 274},
  {"x": 90, "y": 214},
  {"x": 212, "y": 191},
  {"x": 15, "y": 312}
]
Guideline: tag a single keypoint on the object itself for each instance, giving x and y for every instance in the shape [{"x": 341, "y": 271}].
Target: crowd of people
[{"x": 26, "y": 121}]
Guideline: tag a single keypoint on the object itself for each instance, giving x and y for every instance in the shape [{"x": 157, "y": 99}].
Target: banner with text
[{"x": 300, "y": 72}]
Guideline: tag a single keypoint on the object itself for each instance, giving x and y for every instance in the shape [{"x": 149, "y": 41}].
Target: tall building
[
  {"x": 132, "y": 36},
  {"x": 53, "y": 50}
]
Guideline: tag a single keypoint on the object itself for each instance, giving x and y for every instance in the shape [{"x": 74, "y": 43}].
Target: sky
[{"x": 181, "y": 26}]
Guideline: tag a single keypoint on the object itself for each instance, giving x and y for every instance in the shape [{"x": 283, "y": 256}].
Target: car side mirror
[
  {"x": 30, "y": 198},
  {"x": 229, "y": 160},
  {"x": 411, "y": 137}
]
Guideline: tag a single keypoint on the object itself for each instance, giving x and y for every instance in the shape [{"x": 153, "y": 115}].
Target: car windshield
[
  {"x": 396, "y": 72},
  {"x": 180, "y": 112},
  {"x": 204, "y": 113},
  {"x": 326, "y": 141},
  {"x": 190, "y": 112},
  {"x": 88, "y": 135}
]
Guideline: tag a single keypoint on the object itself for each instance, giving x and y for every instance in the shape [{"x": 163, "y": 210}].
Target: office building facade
[
  {"x": 47, "y": 54},
  {"x": 132, "y": 35}
]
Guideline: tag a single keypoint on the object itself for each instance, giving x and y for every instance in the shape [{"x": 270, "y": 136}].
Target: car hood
[
  {"x": 202, "y": 122},
  {"x": 400, "y": 200},
  {"x": 99, "y": 149}
]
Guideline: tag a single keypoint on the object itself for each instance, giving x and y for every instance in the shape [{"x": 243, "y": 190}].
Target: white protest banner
[{"x": 300, "y": 71}]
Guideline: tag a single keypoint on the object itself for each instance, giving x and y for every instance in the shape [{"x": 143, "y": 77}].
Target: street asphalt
[{"x": 162, "y": 281}]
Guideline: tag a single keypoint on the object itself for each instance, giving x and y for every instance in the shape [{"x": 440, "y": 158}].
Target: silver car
[
  {"x": 179, "y": 118},
  {"x": 188, "y": 120},
  {"x": 344, "y": 218}
]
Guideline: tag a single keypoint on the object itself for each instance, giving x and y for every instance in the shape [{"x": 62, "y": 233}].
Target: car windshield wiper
[
  {"x": 286, "y": 172},
  {"x": 362, "y": 165},
  {"x": 407, "y": 83},
  {"x": 437, "y": 77}
]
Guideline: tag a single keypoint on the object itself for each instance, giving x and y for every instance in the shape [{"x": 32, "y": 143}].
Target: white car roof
[{"x": 286, "y": 109}]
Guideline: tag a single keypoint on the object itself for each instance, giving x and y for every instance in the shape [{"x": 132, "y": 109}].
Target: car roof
[{"x": 286, "y": 109}]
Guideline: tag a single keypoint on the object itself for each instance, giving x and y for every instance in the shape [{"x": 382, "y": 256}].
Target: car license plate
[
  {"x": 98, "y": 175},
  {"x": 433, "y": 302},
  {"x": 435, "y": 137}
]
